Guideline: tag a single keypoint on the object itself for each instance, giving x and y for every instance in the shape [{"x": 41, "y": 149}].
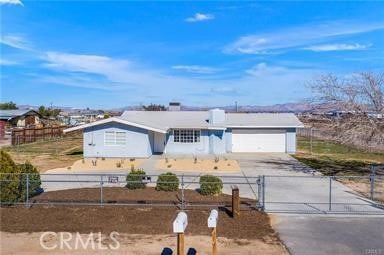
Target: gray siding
[
  {"x": 291, "y": 140},
  {"x": 139, "y": 143},
  {"x": 228, "y": 140}
]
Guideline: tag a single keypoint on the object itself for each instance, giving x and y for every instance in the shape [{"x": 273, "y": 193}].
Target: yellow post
[
  {"x": 180, "y": 243},
  {"x": 214, "y": 242}
]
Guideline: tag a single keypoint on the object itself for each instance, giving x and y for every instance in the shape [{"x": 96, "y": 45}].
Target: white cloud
[
  {"x": 200, "y": 17},
  {"x": 115, "y": 70},
  {"x": 296, "y": 37},
  {"x": 196, "y": 69},
  {"x": 228, "y": 91},
  {"x": 15, "y": 41},
  {"x": 13, "y": 2},
  {"x": 264, "y": 70},
  {"x": 258, "y": 85},
  {"x": 337, "y": 47},
  {"x": 5, "y": 62}
]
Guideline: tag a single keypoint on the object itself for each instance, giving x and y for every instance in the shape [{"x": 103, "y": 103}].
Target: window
[
  {"x": 115, "y": 138},
  {"x": 186, "y": 136}
]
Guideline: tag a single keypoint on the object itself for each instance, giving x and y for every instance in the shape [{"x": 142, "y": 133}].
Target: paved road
[{"x": 318, "y": 235}]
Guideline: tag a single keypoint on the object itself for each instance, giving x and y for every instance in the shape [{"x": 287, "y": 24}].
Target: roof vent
[{"x": 216, "y": 116}]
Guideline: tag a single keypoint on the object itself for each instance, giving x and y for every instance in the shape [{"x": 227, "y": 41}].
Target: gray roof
[
  {"x": 169, "y": 119},
  {"x": 162, "y": 121},
  {"x": 199, "y": 119},
  {"x": 259, "y": 120},
  {"x": 9, "y": 114}
]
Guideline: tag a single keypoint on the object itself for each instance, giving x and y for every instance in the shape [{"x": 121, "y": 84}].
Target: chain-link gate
[{"x": 321, "y": 194}]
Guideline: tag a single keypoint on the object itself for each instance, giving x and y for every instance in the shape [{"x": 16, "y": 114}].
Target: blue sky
[{"x": 105, "y": 54}]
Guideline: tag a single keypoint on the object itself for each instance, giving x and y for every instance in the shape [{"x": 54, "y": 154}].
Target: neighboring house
[
  {"x": 174, "y": 106},
  {"x": 18, "y": 118},
  {"x": 143, "y": 133},
  {"x": 80, "y": 117}
]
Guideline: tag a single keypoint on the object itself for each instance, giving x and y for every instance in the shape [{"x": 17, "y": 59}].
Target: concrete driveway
[
  {"x": 298, "y": 204},
  {"x": 293, "y": 187}
]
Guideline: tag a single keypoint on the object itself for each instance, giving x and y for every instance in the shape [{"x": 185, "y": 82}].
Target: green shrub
[
  {"x": 210, "y": 185},
  {"x": 34, "y": 180},
  {"x": 13, "y": 180},
  {"x": 9, "y": 180},
  {"x": 167, "y": 182},
  {"x": 134, "y": 179}
]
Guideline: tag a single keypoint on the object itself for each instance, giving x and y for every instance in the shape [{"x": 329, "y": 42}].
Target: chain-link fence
[
  {"x": 185, "y": 191},
  {"x": 282, "y": 194}
]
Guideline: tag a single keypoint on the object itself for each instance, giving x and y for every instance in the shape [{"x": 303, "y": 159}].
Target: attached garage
[{"x": 259, "y": 140}]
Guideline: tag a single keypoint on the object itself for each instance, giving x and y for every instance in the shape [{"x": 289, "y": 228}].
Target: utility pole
[{"x": 236, "y": 106}]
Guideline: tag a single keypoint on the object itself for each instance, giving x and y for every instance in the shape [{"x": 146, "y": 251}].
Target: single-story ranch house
[{"x": 143, "y": 133}]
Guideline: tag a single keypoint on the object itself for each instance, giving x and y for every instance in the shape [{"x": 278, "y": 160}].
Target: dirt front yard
[
  {"x": 141, "y": 230},
  {"x": 219, "y": 164},
  {"x": 147, "y": 196},
  {"x": 49, "y": 154},
  {"x": 100, "y": 164}
]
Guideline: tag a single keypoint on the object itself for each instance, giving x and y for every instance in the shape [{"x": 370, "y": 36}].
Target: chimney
[
  {"x": 216, "y": 116},
  {"x": 174, "y": 106}
]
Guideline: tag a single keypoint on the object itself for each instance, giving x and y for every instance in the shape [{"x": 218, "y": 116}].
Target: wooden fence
[{"x": 29, "y": 135}]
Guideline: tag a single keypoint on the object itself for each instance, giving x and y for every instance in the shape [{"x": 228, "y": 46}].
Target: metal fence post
[
  {"x": 372, "y": 180},
  {"x": 182, "y": 192},
  {"x": 1, "y": 182},
  {"x": 27, "y": 191},
  {"x": 311, "y": 140},
  {"x": 263, "y": 192},
  {"x": 330, "y": 194},
  {"x": 258, "y": 183},
  {"x": 101, "y": 189}
]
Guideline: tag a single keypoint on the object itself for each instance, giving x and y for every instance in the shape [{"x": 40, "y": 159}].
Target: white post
[
  {"x": 212, "y": 222},
  {"x": 179, "y": 226}
]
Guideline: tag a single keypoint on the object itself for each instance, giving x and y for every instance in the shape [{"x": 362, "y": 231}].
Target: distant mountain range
[{"x": 288, "y": 107}]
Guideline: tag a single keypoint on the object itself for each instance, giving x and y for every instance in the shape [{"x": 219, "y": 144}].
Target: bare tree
[
  {"x": 361, "y": 97},
  {"x": 360, "y": 92}
]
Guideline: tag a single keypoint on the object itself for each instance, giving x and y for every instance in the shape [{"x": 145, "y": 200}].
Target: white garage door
[{"x": 258, "y": 140}]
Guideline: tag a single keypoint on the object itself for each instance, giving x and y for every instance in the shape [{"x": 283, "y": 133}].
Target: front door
[{"x": 159, "y": 142}]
